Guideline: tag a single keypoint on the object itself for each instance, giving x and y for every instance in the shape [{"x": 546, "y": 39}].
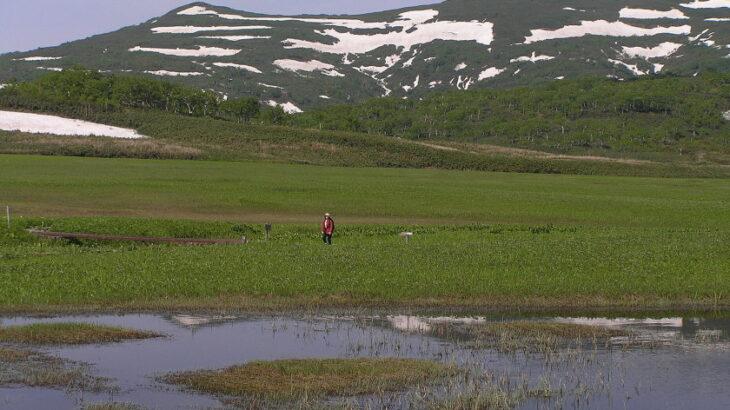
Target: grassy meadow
[{"x": 482, "y": 240}]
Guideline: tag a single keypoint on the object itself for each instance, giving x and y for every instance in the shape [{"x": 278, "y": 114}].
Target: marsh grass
[
  {"x": 112, "y": 406},
  {"x": 530, "y": 335},
  {"x": 34, "y": 369},
  {"x": 296, "y": 379},
  {"x": 70, "y": 334}
]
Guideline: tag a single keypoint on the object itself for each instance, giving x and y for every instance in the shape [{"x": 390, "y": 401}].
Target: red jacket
[{"x": 328, "y": 226}]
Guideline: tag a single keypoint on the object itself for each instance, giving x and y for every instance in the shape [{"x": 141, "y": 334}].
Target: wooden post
[
  {"x": 7, "y": 210},
  {"x": 267, "y": 228}
]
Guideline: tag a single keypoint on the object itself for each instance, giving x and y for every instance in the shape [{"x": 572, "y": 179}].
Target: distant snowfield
[
  {"x": 707, "y": 4},
  {"x": 662, "y": 50},
  {"x": 195, "y": 29},
  {"x": 532, "y": 58},
  {"x": 238, "y": 66},
  {"x": 235, "y": 38},
  {"x": 646, "y": 14},
  {"x": 631, "y": 67},
  {"x": 37, "y": 58},
  {"x": 308, "y": 66},
  {"x": 57, "y": 69},
  {"x": 51, "y": 124},
  {"x": 408, "y": 19},
  {"x": 603, "y": 28},
  {"x": 288, "y": 107},
  {"x": 184, "y": 52},
  {"x": 718, "y": 19},
  {"x": 416, "y": 30},
  {"x": 490, "y": 72},
  {"x": 173, "y": 73}
]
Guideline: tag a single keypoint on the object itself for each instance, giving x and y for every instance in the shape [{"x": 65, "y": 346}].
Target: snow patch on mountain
[
  {"x": 662, "y": 50},
  {"x": 288, "y": 107},
  {"x": 406, "y": 20},
  {"x": 532, "y": 58},
  {"x": 173, "y": 73},
  {"x": 51, "y": 124},
  {"x": 490, "y": 72},
  {"x": 196, "y": 29},
  {"x": 647, "y": 14},
  {"x": 199, "y": 10},
  {"x": 235, "y": 38},
  {"x": 271, "y": 86},
  {"x": 707, "y": 4},
  {"x": 603, "y": 28},
  {"x": 57, "y": 69},
  {"x": 460, "y": 67},
  {"x": 186, "y": 52},
  {"x": 37, "y": 58},
  {"x": 718, "y": 19},
  {"x": 308, "y": 66},
  {"x": 633, "y": 68},
  {"x": 415, "y": 30},
  {"x": 238, "y": 66}
]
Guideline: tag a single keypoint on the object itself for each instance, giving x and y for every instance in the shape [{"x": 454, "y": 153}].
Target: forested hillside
[
  {"x": 665, "y": 126},
  {"x": 675, "y": 115}
]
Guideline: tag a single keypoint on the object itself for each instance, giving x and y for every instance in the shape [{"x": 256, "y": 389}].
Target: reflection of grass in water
[
  {"x": 529, "y": 335},
  {"x": 35, "y": 369},
  {"x": 296, "y": 379},
  {"x": 70, "y": 333}
]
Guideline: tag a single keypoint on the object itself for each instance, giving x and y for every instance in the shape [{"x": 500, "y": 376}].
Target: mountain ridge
[{"x": 305, "y": 61}]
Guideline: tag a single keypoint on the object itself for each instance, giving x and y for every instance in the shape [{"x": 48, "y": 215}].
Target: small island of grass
[
  {"x": 292, "y": 379},
  {"x": 70, "y": 334}
]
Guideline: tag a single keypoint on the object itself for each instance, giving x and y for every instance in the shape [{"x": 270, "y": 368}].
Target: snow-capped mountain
[{"x": 299, "y": 62}]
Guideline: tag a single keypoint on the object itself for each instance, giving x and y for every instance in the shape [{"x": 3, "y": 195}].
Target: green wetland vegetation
[{"x": 485, "y": 240}]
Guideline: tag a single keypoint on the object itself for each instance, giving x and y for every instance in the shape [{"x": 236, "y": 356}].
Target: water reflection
[{"x": 690, "y": 370}]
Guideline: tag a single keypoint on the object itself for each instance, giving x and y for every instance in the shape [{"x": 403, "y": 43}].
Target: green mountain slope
[{"x": 308, "y": 61}]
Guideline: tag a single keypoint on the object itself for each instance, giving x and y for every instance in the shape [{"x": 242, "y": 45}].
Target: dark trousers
[{"x": 327, "y": 239}]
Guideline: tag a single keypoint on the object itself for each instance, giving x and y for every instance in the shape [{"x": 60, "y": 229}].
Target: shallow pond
[{"x": 685, "y": 362}]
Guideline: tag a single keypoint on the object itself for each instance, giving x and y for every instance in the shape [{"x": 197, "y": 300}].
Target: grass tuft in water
[
  {"x": 112, "y": 406},
  {"x": 530, "y": 335},
  {"x": 34, "y": 369},
  {"x": 70, "y": 334},
  {"x": 295, "y": 379}
]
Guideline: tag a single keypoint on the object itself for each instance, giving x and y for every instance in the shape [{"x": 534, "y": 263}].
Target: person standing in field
[{"x": 328, "y": 229}]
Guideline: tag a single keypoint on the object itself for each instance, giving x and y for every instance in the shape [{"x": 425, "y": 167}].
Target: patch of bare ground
[{"x": 294, "y": 379}]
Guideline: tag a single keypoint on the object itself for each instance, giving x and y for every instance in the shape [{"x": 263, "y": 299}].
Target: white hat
[{"x": 327, "y": 214}]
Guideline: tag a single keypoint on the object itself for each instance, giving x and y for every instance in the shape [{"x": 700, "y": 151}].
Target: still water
[{"x": 686, "y": 365}]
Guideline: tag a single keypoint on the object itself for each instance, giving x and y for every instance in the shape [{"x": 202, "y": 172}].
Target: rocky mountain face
[{"x": 299, "y": 62}]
